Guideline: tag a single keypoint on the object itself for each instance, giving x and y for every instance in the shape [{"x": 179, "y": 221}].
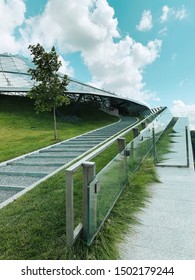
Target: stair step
[
  {"x": 68, "y": 149},
  {"x": 45, "y": 160},
  {"x": 24, "y": 174},
  {"x": 64, "y": 148},
  {"x": 36, "y": 164},
  {"x": 17, "y": 180},
  {"x": 11, "y": 188},
  {"x": 82, "y": 139},
  {"x": 27, "y": 169},
  {"x": 49, "y": 156},
  {"x": 6, "y": 194}
]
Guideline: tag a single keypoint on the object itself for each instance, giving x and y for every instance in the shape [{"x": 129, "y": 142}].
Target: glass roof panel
[{"x": 14, "y": 77}]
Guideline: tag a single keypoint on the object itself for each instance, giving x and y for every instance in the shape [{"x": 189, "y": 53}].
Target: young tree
[{"x": 49, "y": 88}]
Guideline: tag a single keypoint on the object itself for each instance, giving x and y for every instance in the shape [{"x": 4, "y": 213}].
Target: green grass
[
  {"x": 33, "y": 227},
  {"x": 163, "y": 145},
  {"x": 23, "y": 131}
]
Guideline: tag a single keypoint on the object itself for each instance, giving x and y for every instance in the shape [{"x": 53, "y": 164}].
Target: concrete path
[
  {"x": 167, "y": 224},
  {"x": 25, "y": 172}
]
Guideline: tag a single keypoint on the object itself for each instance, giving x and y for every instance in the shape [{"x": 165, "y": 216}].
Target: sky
[{"x": 141, "y": 49}]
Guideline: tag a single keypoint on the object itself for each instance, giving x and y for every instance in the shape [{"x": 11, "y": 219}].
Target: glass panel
[
  {"x": 77, "y": 195},
  {"x": 104, "y": 191},
  {"x": 139, "y": 148},
  {"x": 110, "y": 181}
]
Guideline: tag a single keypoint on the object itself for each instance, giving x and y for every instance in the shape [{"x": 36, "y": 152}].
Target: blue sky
[{"x": 140, "y": 49}]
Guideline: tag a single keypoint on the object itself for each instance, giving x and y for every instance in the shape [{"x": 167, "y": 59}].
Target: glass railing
[{"x": 108, "y": 184}]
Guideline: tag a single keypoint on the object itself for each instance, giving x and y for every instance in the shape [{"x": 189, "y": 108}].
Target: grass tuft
[{"x": 163, "y": 144}]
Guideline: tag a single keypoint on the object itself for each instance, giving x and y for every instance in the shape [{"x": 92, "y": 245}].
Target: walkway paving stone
[{"x": 167, "y": 224}]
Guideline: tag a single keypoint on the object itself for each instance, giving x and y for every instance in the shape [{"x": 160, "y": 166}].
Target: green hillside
[
  {"x": 22, "y": 130},
  {"x": 34, "y": 226}
]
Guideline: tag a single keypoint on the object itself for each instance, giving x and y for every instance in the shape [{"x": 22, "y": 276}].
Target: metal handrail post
[
  {"x": 69, "y": 209},
  {"x": 121, "y": 144},
  {"x": 88, "y": 176},
  {"x": 154, "y": 146},
  {"x": 187, "y": 147}
]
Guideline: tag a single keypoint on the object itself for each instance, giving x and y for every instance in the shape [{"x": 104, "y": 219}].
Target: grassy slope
[
  {"x": 33, "y": 227},
  {"x": 22, "y": 131}
]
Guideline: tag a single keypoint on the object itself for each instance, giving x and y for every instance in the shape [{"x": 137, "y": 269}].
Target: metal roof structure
[{"x": 15, "y": 80}]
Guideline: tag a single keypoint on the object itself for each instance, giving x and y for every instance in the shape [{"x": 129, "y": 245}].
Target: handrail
[{"x": 71, "y": 232}]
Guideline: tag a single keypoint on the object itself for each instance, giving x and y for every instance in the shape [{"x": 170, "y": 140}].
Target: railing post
[
  {"x": 121, "y": 144},
  {"x": 127, "y": 152},
  {"x": 187, "y": 147},
  {"x": 154, "y": 146},
  {"x": 143, "y": 124},
  {"x": 132, "y": 148},
  {"x": 69, "y": 209},
  {"x": 88, "y": 176},
  {"x": 135, "y": 132}
]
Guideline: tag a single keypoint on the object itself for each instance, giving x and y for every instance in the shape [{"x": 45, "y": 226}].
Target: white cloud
[
  {"x": 163, "y": 31},
  {"x": 180, "y": 109},
  {"x": 11, "y": 17},
  {"x": 73, "y": 25},
  {"x": 166, "y": 12},
  {"x": 145, "y": 23},
  {"x": 181, "y": 13},
  {"x": 174, "y": 13},
  {"x": 66, "y": 67},
  {"x": 119, "y": 66},
  {"x": 90, "y": 27},
  {"x": 143, "y": 55}
]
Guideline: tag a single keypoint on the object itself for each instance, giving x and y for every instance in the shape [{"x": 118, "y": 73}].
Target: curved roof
[{"x": 15, "y": 80}]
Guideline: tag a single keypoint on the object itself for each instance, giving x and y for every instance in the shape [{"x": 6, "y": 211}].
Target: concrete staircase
[{"x": 27, "y": 171}]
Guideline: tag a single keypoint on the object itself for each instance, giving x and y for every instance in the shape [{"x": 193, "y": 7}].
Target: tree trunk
[{"x": 55, "y": 126}]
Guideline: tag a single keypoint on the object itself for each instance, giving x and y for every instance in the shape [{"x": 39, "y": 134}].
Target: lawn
[
  {"x": 23, "y": 131},
  {"x": 33, "y": 226}
]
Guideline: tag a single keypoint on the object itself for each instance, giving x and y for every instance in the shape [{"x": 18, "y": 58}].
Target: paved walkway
[
  {"x": 23, "y": 173},
  {"x": 167, "y": 224}
]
